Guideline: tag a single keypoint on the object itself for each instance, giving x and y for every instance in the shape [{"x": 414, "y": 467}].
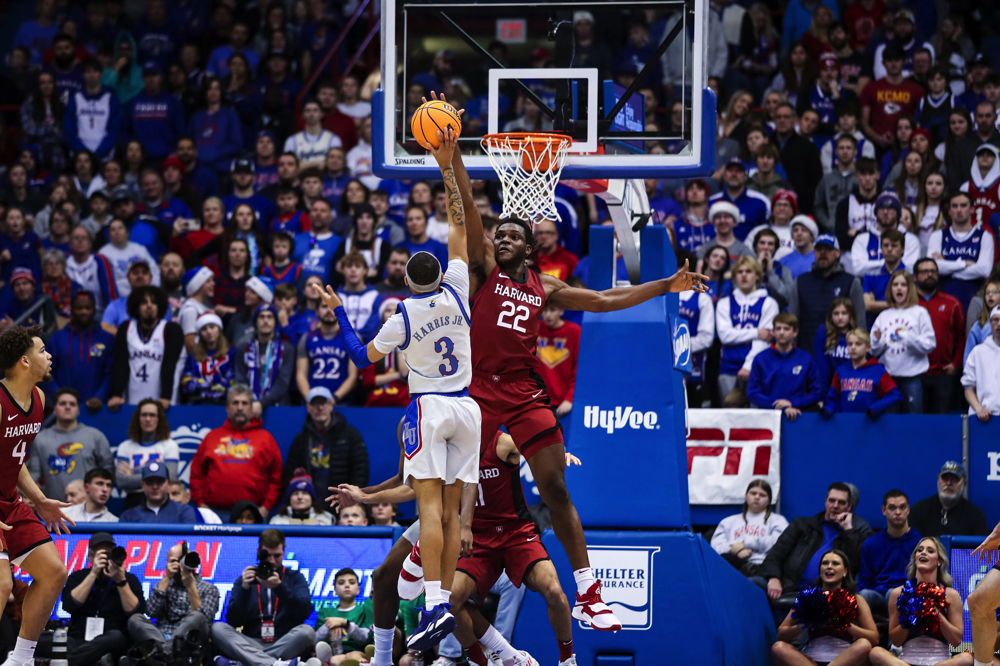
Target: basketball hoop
[{"x": 528, "y": 165}]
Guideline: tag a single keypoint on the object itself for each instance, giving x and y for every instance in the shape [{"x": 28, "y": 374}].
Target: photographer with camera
[
  {"x": 183, "y": 605},
  {"x": 100, "y": 601},
  {"x": 271, "y": 604}
]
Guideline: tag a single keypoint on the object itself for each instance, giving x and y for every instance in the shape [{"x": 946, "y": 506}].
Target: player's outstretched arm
[
  {"x": 447, "y": 146},
  {"x": 481, "y": 261},
  {"x": 362, "y": 355},
  {"x": 619, "y": 298}
]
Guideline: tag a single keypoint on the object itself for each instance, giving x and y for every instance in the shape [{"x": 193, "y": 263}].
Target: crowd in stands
[{"x": 169, "y": 214}]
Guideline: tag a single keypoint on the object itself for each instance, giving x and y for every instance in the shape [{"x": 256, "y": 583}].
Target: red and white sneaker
[
  {"x": 590, "y": 608},
  {"x": 411, "y": 579}
]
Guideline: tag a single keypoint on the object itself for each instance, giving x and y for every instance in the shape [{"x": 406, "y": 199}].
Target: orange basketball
[{"x": 432, "y": 117}]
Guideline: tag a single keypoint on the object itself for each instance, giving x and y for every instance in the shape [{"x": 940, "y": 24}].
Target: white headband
[{"x": 423, "y": 288}]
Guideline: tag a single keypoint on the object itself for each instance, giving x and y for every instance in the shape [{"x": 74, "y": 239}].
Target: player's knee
[
  {"x": 555, "y": 493},
  {"x": 980, "y": 600},
  {"x": 383, "y": 577},
  {"x": 554, "y": 595},
  {"x": 6, "y": 587}
]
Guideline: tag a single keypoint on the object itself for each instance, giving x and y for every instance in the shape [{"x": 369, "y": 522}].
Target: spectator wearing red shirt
[
  {"x": 558, "y": 350},
  {"x": 888, "y": 98},
  {"x": 334, "y": 120},
  {"x": 948, "y": 320},
  {"x": 386, "y": 379},
  {"x": 551, "y": 257},
  {"x": 862, "y": 18},
  {"x": 238, "y": 461}
]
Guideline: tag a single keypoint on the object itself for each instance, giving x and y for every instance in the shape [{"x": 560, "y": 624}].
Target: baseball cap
[
  {"x": 266, "y": 133},
  {"x": 242, "y": 165},
  {"x": 888, "y": 200},
  {"x": 151, "y": 67},
  {"x": 735, "y": 161},
  {"x": 905, "y": 15},
  {"x": 952, "y": 467},
  {"x": 447, "y": 54},
  {"x": 138, "y": 262},
  {"x": 22, "y": 274},
  {"x": 97, "y": 538},
  {"x": 829, "y": 60},
  {"x": 318, "y": 392},
  {"x": 103, "y": 193},
  {"x": 122, "y": 193},
  {"x": 980, "y": 59},
  {"x": 155, "y": 470},
  {"x": 995, "y": 312},
  {"x": 173, "y": 161},
  {"x": 829, "y": 240},
  {"x": 582, "y": 16}
]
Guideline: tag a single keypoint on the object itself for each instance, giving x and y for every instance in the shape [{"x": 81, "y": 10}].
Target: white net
[{"x": 528, "y": 166}]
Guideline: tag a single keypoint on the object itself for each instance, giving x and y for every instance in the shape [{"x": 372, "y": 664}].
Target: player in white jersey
[{"x": 442, "y": 425}]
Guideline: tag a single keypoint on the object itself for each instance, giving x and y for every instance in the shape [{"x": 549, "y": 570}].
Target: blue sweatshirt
[
  {"x": 827, "y": 361},
  {"x": 218, "y": 136},
  {"x": 23, "y": 254},
  {"x": 865, "y": 389},
  {"x": 81, "y": 359},
  {"x": 778, "y": 376},
  {"x": 156, "y": 122},
  {"x": 884, "y": 560}
]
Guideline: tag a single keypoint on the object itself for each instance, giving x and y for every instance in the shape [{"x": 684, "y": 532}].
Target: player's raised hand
[
  {"x": 684, "y": 280},
  {"x": 50, "y": 511},
  {"x": 989, "y": 547},
  {"x": 440, "y": 98},
  {"x": 329, "y": 296},
  {"x": 446, "y": 147}
]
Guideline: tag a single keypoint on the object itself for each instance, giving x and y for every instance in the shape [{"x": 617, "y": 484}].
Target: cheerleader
[
  {"x": 928, "y": 564},
  {"x": 835, "y": 646}
]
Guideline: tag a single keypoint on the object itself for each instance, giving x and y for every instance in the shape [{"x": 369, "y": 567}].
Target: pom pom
[
  {"x": 829, "y": 612},
  {"x": 919, "y": 605},
  {"x": 843, "y": 608}
]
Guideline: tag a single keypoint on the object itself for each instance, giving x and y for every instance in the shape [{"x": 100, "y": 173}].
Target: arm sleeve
[
  {"x": 70, "y": 130},
  {"x": 832, "y": 403},
  {"x": 820, "y": 211},
  {"x": 157, "y": 601},
  {"x": 240, "y": 367},
  {"x": 120, "y": 371},
  {"x": 773, "y": 564},
  {"x": 793, "y": 299},
  {"x": 105, "y": 459},
  {"x": 814, "y": 391},
  {"x": 357, "y": 351},
  {"x": 767, "y": 315},
  {"x": 857, "y": 296},
  {"x": 391, "y": 335},
  {"x": 776, "y": 526},
  {"x": 173, "y": 339},
  {"x": 706, "y": 325},
  {"x": 111, "y": 131},
  {"x": 721, "y": 538},
  {"x": 239, "y": 604},
  {"x": 958, "y": 340},
  {"x": 860, "y": 264},
  {"x": 865, "y": 579},
  {"x": 755, "y": 390},
  {"x": 104, "y": 370},
  {"x": 924, "y": 341},
  {"x": 210, "y": 602},
  {"x": 294, "y": 592},
  {"x": 878, "y": 345},
  {"x": 984, "y": 264},
  {"x": 284, "y": 379},
  {"x": 888, "y": 393}
]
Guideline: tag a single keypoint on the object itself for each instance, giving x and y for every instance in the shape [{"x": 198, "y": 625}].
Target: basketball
[{"x": 432, "y": 117}]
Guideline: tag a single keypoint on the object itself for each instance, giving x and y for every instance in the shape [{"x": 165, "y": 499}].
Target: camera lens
[
  {"x": 117, "y": 555},
  {"x": 191, "y": 561}
]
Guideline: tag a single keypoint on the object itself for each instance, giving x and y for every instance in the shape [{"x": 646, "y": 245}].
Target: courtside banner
[{"x": 727, "y": 448}]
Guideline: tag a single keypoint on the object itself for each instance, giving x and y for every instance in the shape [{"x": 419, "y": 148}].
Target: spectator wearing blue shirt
[
  {"x": 441, "y": 69},
  {"x": 157, "y": 202},
  {"x": 862, "y": 385},
  {"x": 799, "y": 259},
  {"x": 315, "y": 249},
  {"x": 419, "y": 241},
  {"x": 157, "y": 37},
  {"x": 19, "y": 248},
  {"x": 979, "y": 328},
  {"x": 797, "y": 19},
  {"x": 20, "y": 296},
  {"x": 154, "y": 118},
  {"x": 81, "y": 354},
  {"x": 885, "y": 555},
  {"x": 203, "y": 181},
  {"x": 158, "y": 507},
  {"x": 93, "y": 116},
  {"x": 216, "y": 130},
  {"x": 242, "y": 172},
  {"x": 875, "y": 286},
  {"x": 64, "y": 69},
  {"x": 218, "y": 61},
  {"x": 754, "y": 207},
  {"x": 37, "y": 35},
  {"x": 784, "y": 377},
  {"x": 830, "y": 343}
]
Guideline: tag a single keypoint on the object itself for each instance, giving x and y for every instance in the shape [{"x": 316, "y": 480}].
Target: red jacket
[
  {"x": 558, "y": 350},
  {"x": 233, "y": 465},
  {"x": 948, "y": 319}
]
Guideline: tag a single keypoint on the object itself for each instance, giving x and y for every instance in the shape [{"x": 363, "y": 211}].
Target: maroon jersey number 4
[
  {"x": 505, "y": 316},
  {"x": 19, "y": 430}
]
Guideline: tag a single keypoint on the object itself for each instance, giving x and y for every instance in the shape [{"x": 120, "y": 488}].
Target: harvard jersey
[
  {"x": 145, "y": 358},
  {"x": 985, "y": 201},
  {"x": 19, "y": 430},
  {"x": 507, "y": 313},
  {"x": 501, "y": 499},
  {"x": 327, "y": 360},
  {"x": 433, "y": 332}
]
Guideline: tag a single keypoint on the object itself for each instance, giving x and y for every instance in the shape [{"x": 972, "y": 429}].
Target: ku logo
[
  {"x": 432, "y": 304},
  {"x": 626, "y": 574},
  {"x": 64, "y": 459},
  {"x": 994, "y": 474},
  {"x": 411, "y": 438},
  {"x": 836, "y": 291},
  {"x": 797, "y": 369}
]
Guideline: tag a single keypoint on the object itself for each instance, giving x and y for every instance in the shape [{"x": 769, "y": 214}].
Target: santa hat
[
  {"x": 196, "y": 278},
  {"x": 263, "y": 287},
  {"x": 808, "y": 222},
  {"x": 786, "y": 195},
  {"x": 724, "y": 207},
  {"x": 206, "y": 318}
]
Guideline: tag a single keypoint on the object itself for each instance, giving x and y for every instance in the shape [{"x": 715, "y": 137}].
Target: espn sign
[{"x": 728, "y": 448}]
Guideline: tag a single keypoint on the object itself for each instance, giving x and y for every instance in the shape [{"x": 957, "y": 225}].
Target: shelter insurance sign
[{"x": 727, "y": 448}]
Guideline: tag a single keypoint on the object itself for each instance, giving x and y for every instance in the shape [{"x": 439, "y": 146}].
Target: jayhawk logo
[
  {"x": 552, "y": 351},
  {"x": 851, "y": 396},
  {"x": 897, "y": 334},
  {"x": 231, "y": 447},
  {"x": 64, "y": 459},
  {"x": 97, "y": 350}
]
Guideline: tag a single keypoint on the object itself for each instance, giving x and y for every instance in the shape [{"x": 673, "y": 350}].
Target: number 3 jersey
[
  {"x": 507, "y": 313},
  {"x": 433, "y": 332},
  {"x": 19, "y": 430}
]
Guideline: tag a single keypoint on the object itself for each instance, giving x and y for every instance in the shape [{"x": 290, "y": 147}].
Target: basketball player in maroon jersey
[
  {"x": 23, "y": 539},
  {"x": 507, "y": 304}
]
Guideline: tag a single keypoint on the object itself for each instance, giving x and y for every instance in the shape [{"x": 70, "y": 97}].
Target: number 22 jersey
[
  {"x": 19, "y": 430},
  {"x": 505, "y": 315}
]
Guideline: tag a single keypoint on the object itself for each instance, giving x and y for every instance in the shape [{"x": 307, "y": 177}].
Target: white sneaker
[
  {"x": 492, "y": 657},
  {"x": 313, "y": 661},
  {"x": 569, "y": 662},
  {"x": 522, "y": 659},
  {"x": 324, "y": 653},
  {"x": 443, "y": 661}
]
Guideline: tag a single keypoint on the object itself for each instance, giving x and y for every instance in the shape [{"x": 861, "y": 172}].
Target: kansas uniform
[
  {"x": 698, "y": 311},
  {"x": 145, "y": 359},
  {"x": 975, "y": 245},
  {"x": 442, "y": 424},
  {"x": 505, "y": 537},
  {"x": 505, "y": 382},
  {"x": 18, "y": 432},
  {"x": 327, "y": 359}
]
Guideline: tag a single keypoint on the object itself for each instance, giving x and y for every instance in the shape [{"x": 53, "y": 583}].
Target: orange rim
[{"x": 535, "y": 142}]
